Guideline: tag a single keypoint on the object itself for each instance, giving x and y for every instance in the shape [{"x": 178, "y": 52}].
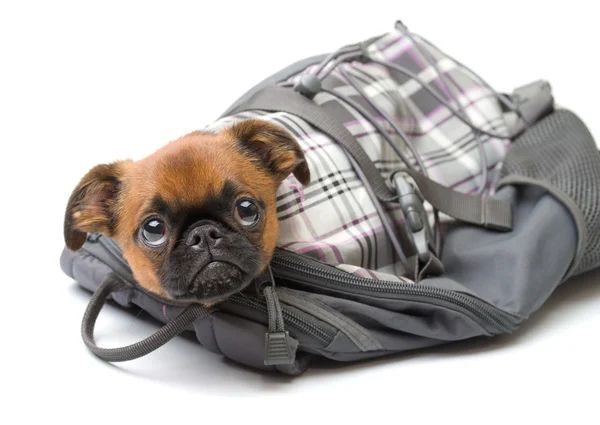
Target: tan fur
[{"x": 184, "y": 171}]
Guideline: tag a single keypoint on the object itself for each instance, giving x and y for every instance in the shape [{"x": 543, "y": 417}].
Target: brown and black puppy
[{"x": 196, "y": 220}]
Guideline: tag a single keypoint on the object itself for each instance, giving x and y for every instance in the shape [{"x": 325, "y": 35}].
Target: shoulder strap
[{"x": 478, "y": 210}]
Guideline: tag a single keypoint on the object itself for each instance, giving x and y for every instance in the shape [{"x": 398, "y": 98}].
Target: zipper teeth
[
  {"x": 480, "y": 310},
  {"x": 292, "y": 264},
  {"x": 304, "y": 325},
  {"x": 310, "y": 328}
]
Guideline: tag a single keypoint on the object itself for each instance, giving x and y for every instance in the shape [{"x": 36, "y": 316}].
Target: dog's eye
[
  {"x": 246, "y": 212},
  {"x": 154, "y": 232}
]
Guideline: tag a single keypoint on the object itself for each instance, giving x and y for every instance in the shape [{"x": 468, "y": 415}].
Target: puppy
[{"x": 196, "y": 220}]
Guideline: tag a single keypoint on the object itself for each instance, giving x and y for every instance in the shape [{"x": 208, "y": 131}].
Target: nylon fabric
[
  {"x": 560, "y": 151},
  {"x": 335, "y": 219}
]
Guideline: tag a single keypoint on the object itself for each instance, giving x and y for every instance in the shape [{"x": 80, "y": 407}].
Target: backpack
[{"x": 439, "y": 210}]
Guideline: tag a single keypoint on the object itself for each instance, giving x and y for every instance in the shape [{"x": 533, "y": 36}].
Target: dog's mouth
[{"x": 214, "y": 282}]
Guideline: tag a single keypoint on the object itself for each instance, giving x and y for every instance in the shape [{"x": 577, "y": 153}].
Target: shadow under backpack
[{"x": 438, "y": 210}]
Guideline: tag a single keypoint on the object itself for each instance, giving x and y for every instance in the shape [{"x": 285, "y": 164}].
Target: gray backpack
[{"x": 439, "y": 210}]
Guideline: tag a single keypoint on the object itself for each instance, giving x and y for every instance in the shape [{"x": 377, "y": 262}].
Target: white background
[{"x": 84, "y": 83}]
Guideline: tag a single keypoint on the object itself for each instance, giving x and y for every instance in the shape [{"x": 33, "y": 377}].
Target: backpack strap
[
  {"x": 478, "y": 210},
  {"x": 481, "y": 210}
]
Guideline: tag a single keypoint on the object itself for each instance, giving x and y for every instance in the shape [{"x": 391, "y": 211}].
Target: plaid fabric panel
[{"x": 333, "y": 219}]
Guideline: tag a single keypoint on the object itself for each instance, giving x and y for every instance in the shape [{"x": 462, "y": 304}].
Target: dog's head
[{"x": 196, "y": 220}]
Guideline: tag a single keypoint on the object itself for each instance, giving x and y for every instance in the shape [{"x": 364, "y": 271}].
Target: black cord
[
  {"x": 428, "y": 57},
  {"x": 349, "y": 53},
  {"x": 390, "y": 121},
  {"x": 502, "y": 98},
  {"x": 404, "y": 137}
]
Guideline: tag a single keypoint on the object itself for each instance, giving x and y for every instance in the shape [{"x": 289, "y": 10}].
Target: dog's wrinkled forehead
[
  {"x": 198, "y": 171},
  {"x": 190, "y": 167},
  {"x": 213, "y": 205}
]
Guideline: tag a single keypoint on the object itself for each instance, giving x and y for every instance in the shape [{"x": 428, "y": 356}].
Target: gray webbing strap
[
  {"x": 139, "y": 349},
  {"x": 279, "y": 99},
  {"x": 478, "y": 210},
  {"x": 487, "y": 212}
]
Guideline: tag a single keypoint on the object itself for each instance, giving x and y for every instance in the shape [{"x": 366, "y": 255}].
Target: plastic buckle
[
  {"x": 412, "y": 205},
  {"x": 308, "y": 85},
  {"x": 400, "y": 26},
  {"x": 533, "y": 100}
]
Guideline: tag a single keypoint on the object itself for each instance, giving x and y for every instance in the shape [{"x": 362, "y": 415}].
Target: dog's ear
[
  {"x": 274, "y": 147},
  {"x": 91, "y": 205}
]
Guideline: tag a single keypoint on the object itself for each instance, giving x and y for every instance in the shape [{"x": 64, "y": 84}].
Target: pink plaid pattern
[{"x": 333, "y": 219}]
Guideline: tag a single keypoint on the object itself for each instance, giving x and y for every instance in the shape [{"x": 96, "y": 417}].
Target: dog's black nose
[{"x": 204, "y": 235}]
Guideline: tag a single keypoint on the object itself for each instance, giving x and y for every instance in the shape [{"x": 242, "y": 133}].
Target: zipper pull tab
[
  {"x": 278, "y": 347},
  {"x": 278, "y": 350}
]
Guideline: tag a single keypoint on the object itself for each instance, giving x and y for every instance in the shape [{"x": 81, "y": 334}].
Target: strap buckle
[
  {"x": 533, "y": 101},
  {"x": 412, "y": 204},
  {"x": 308, "y": 85}
]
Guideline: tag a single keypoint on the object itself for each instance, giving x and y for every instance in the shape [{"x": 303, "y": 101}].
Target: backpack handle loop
[{"x": 111, "y": 284}]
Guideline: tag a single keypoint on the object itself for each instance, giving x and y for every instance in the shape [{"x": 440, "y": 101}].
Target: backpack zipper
[
  {"x": 302, "y": 270},
  {"x": 299, "y": 322},
  {"x": 307, "y": 327},
  {"x": 306, "y": 271}
]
